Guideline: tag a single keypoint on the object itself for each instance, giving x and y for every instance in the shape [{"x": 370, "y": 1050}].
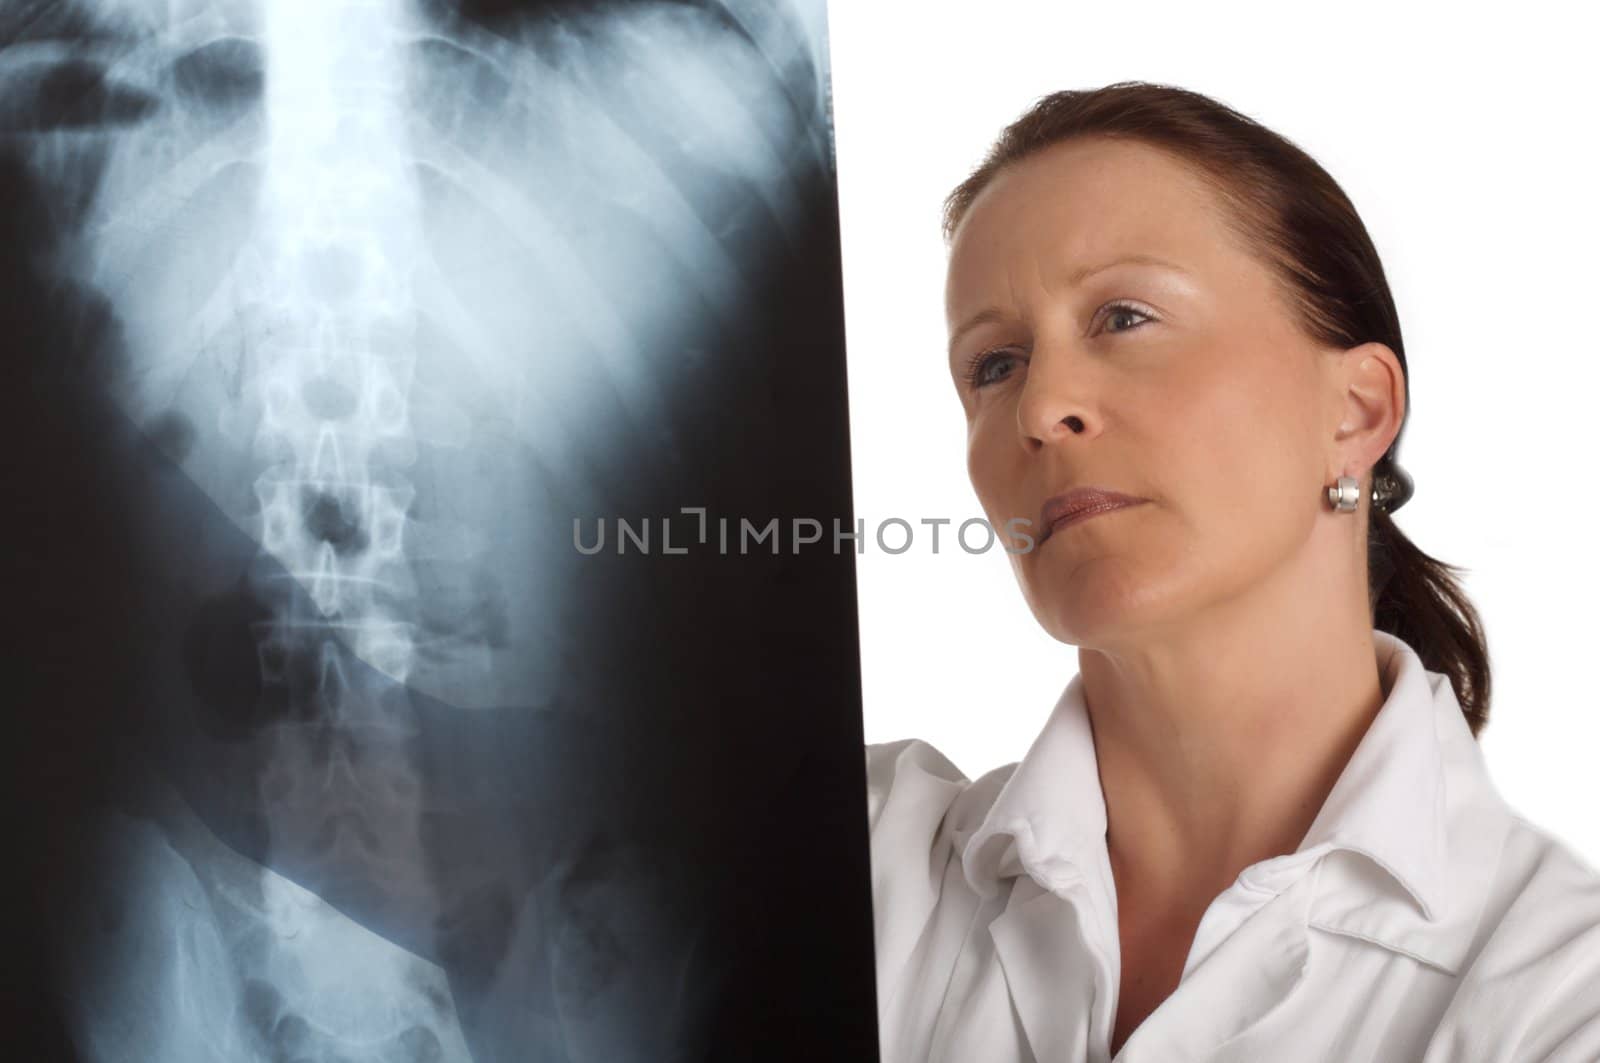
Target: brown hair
[{"x": 1296, "y": 217}]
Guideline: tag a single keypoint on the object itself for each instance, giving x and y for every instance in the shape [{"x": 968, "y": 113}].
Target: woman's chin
[{"x": 1091, "y": 608}]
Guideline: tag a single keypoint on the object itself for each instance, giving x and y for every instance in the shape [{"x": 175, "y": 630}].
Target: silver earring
[{"x": 1345, "y": 494}]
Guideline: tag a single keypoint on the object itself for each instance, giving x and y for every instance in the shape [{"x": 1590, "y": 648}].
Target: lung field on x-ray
[{"x": 325, "y": 320}]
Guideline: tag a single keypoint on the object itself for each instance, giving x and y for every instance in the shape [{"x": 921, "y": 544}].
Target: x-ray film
[{"x": 429, "y": 634}]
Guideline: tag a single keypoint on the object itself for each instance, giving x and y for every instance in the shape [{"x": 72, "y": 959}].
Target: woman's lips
[{"x": 1079, "y": 505}]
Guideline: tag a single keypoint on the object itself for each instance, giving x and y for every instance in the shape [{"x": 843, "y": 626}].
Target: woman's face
[{"x": 1190, "y": 385}]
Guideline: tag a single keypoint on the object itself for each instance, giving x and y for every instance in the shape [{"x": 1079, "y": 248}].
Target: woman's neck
[{"x": 1219, "y": 743}]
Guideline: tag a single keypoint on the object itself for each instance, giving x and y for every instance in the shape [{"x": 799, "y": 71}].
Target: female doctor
[{"x": 1257, "y": 824}]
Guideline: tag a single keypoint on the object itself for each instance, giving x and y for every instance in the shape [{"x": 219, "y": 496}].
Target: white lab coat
[{"x": 1420, "y": 921}]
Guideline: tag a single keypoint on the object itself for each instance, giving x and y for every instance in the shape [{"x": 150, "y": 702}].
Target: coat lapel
[{"x": 1248, "y": 975}]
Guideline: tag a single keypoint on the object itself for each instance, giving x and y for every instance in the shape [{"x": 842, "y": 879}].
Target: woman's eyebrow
[
  {"x": 982, "y": 317},
  {"x": 1076, "y": 277}
]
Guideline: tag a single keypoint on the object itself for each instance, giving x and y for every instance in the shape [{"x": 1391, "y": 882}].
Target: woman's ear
[{"x": 1371, "y": 388}]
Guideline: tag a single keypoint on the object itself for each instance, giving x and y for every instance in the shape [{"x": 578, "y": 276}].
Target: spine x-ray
[{"x": 391, "y": 387}]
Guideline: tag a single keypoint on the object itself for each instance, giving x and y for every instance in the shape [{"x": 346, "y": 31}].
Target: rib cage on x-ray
[{"x": 331, "y": 317}]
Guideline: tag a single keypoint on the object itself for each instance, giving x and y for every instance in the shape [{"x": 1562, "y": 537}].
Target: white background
[{"x": 1465, "y": 141}]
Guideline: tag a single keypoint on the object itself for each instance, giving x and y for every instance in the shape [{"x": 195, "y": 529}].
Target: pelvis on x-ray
[{"x": 335, "y": 328}]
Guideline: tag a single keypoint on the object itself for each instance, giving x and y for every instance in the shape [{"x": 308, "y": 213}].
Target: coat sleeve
[
  {"x": 1532, "y": 993},
  {"x": 1564, "y": 1023},
  {"x": 1566, "y": 1027},
  {"x": 910, "y": 787}
]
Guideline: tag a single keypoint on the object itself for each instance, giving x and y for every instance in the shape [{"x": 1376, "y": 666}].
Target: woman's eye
[
  {"x": 1132, "y": 316},
  {"x": 990, "y": 367}
]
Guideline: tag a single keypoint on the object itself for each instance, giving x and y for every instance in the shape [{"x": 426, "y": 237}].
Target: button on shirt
[{"x": 1421, "y": 919}]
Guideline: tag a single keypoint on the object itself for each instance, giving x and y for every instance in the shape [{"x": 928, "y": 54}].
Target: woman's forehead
[
  {"x": 1057, "y": 215},
  {"x": 1088, "y": 180}
]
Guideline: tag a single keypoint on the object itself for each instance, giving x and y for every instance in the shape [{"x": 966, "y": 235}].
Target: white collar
[{"x": 1414, "y": 799}]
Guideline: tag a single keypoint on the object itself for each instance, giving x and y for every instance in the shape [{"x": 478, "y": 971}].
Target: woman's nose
[{"x": 1049, "y": 408}]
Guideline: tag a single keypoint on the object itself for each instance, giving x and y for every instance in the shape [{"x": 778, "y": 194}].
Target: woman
[{"x": 1257, "y": 824}]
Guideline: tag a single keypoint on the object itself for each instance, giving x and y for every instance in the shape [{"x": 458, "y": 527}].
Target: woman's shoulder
[
  {"x": 1550, "y": 861},
  {"x": 914, "y": 773},
  {"x": 916, "y": 794},
  {"x": 918, "y": 804},
  {"x": 1544, "y": 890}
]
